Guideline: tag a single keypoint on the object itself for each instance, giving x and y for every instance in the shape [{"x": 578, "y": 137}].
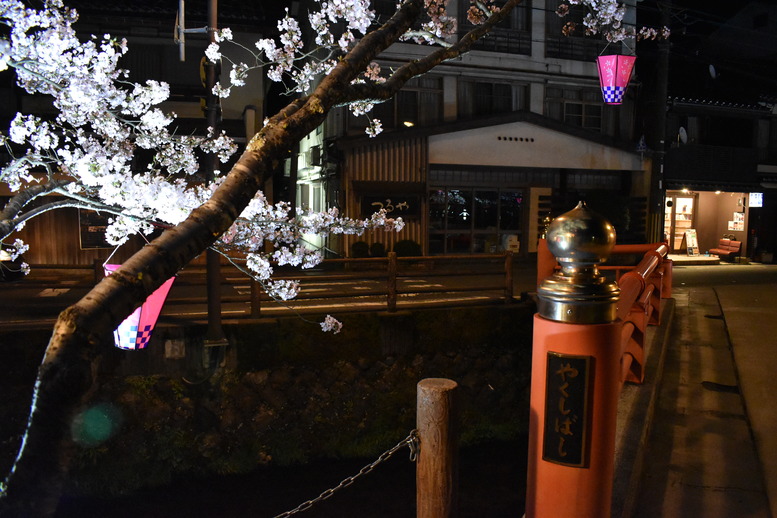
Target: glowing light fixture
[
  {"x": 614, "y": 75},
  {"x": 135, "y": 332}
]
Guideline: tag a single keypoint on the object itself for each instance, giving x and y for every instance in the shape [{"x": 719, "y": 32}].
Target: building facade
[
  {"x": 718, "y": 160},
  {"x": 476, "y": 154}
]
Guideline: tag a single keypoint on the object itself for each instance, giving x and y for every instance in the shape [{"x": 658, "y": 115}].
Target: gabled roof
[{"x": 489, "y": 121}]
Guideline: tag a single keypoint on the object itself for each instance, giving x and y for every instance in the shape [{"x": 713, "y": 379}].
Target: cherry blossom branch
[{"x": 388, "y": 88}]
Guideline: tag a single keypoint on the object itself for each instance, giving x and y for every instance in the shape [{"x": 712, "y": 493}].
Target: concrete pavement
[
  {"x": 751, "y": 319},
  {"x": 707, "y": 419}
]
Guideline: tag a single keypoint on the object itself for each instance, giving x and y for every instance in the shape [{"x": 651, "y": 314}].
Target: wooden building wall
[{"x": 387, "y": 168}]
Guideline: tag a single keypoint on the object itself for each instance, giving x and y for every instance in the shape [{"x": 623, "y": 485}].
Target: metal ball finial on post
[{"x": 580, "y": 240}]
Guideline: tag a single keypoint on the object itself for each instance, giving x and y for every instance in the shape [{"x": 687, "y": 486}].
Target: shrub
[
  {"x": 378, "y": 250},
  {"x": 360, "y": 249}
]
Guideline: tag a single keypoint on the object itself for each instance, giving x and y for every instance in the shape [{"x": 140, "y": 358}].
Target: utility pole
[
  {"x": 658, "y": 189},
  {"x": 214, "y": 336}
]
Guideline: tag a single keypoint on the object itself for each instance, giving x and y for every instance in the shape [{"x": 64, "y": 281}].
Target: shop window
[
  {"x": 474, "y": 220},
  {"x": 678, "y": 218}
]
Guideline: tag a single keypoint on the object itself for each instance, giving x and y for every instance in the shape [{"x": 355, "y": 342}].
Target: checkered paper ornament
[
  {"x": 614, "y": 76},
  {"x": 135, "y": 332}
]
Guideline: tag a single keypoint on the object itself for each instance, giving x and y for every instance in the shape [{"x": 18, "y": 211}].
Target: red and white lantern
[
  {"x": 614, "y": 76},
  {"x": 135, "y": 332}
]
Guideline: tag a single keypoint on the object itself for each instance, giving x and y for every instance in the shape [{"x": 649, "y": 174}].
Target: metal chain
[{"x": 411, "y": 441}]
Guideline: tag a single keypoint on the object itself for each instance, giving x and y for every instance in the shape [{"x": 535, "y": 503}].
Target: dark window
[
  {"x": 474, "y": 220},
  {"x": 512, "y": 35},
  {"x": 727, "y": 131},
  {"x": 581, "y": 108},
  {"x": 419, "y": 103},
  {"x": 576, "y": 45},
  {"x": 484, "y": 98}
]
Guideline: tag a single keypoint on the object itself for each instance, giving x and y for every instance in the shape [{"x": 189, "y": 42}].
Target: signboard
[
  {"x": 567, "y": 413},
  {"x": 396, "y": 205},
  {"x": 691, "y": 242},
  {"x": 738, "y": 223},
  {"x": 92, "y": 225}
]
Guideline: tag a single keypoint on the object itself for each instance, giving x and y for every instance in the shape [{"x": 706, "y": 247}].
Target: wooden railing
[
  {"x": 392, "y": 276},
  {"x": 362, "y": 284}
]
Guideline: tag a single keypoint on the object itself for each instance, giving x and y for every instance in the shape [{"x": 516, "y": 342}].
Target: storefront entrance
[{"x": 679, "y": 213}]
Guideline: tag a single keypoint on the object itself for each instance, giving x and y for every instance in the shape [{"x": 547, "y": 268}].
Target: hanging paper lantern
[
  {"x": 614, "y": 76},
  {"x": 135, "y": 332}
]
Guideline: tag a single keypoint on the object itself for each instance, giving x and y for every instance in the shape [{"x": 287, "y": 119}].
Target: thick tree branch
[{"x": 16, "y": 204}]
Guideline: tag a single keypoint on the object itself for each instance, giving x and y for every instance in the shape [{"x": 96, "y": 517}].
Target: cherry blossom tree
[{"x": 85, "y": 152}]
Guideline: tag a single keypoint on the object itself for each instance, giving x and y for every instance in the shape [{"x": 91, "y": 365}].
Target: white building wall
[{"x": 526, "y": 145}]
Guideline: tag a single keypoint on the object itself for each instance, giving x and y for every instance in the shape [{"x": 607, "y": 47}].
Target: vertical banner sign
[{"x": 567, "y": 401}]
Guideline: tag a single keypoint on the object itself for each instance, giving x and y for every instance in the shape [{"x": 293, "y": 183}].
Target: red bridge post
[{"x": 576, "y": 375}]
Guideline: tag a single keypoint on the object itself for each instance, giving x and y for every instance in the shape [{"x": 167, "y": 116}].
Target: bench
[{"x": 727, "y": 249}]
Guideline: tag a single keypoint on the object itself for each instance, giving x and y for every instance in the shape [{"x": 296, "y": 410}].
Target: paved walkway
[{"x": 712, "y": 449}]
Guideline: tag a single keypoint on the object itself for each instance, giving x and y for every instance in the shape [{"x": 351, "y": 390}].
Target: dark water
[{"x": 492, "y": 483}]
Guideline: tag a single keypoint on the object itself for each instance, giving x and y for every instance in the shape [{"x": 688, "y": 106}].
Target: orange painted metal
[
  {"x": 666, "y": 285},
  {"x": 556, "y": 490},
  {"x": 546, "y": 261}
]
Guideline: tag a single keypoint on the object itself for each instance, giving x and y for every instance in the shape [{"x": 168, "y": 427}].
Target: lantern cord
[
  {"x": 119, "y": 246},
  {"x": 111, "y": 255},
  {"x": 622, "y": 43}
]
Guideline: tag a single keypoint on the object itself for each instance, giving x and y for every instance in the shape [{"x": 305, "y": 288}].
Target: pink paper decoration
[
  {"x": 135, "y": 332},
  {"x": 614, "y": 76}
]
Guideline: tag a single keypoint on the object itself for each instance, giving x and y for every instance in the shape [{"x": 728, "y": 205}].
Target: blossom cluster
[
  {"x": 606, "y": 17},
  {"x": 479, "y": 12},
  {"x": 102, "y": 121},
  {"x": 336, "y": 25},
  {"x": 89, "y": 151},
  {"x": 262, "y": 224}
]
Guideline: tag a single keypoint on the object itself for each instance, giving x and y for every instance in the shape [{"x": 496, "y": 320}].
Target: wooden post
[
  {"x": 99, "y": 270},
  {"x": 391, "y": 283},
  {"x": 255, "y": 302},
  {"x": 508, "y": 276},
  {"x": 437, "y": 467}
]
